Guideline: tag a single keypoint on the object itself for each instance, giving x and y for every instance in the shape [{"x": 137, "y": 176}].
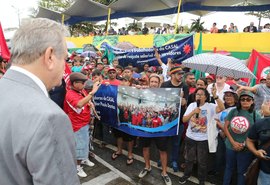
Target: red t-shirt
[
  {"x": 139, "y": 117},
  {"x": 134, "y": 119},
  {"x": 112, "y": 82},
  {"x": 192, "y": 90},
  {"x": 78, "y": 117},
  {"x": 156, "y": 122}
]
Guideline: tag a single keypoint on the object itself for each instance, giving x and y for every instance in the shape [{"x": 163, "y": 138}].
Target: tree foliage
[{"x": 196, "y": 25}]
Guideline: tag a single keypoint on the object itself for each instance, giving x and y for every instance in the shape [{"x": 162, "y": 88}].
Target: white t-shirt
[
  {"x": 220, "y": 94},
  {"x": 165, "y": 75},
  {"x": 198, "y": 131}
]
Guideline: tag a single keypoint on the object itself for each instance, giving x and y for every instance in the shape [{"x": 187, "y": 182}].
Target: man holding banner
[{"x": 176, "y": 82}]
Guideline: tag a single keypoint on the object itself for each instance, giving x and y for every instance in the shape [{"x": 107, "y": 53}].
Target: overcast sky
[{"x": 9, "y": 15}]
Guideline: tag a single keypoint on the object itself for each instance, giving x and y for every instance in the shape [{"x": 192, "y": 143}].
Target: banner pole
[
  {"x": 63, "y": 18},
  {"x": 178, "y": 13},
  {"x": 108, "y": 21}
]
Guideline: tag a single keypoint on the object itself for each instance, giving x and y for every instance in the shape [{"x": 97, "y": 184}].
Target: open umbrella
[
  {"x": 125, "y": 45},
  {"x": 218, "y": 64},
  {"x": 89, "y": 54}
]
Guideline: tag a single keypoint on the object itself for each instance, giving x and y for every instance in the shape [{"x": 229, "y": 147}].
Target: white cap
[{"x": 86, "y": 59}]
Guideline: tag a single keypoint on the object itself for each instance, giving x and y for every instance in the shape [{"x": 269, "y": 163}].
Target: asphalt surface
[{"x": 115, "y": 172}]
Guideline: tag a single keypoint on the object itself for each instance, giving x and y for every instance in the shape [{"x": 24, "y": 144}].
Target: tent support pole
[{"x": 178, "y": 14}]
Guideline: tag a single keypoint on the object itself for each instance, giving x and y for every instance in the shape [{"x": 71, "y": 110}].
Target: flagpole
[
  {"x": 63, "y": 18},
  {"x": 253, "y": 80},
  {"x": 108, "y": 21},
  {"x": 177, "y": 17}
]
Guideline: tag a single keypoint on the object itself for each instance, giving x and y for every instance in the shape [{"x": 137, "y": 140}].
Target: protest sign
[{"x": 150, "y": 112}]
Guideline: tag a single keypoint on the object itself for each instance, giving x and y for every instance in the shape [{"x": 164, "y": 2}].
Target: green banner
[{"x": 160, "y": 40}]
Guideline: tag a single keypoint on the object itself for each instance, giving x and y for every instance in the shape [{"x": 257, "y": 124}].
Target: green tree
[{"x": 196, "y": 25}]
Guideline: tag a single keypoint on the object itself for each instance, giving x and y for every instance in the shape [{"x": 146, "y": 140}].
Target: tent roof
[
  {"x": 88, "y": 10},
  {"x": 50, "y": 14}
]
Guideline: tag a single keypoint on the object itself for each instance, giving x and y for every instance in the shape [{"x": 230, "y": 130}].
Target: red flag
[
  {"x": 4, "y": 51},
  {"x": 67, "y": 72},
  {"x": 263, "y": 67}
]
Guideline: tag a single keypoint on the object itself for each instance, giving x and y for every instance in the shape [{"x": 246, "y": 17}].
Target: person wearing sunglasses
[
  {"x": 76, "y": 106},
  {"x": 236, "y": 127},
  {"x": 111, "y": 77}
]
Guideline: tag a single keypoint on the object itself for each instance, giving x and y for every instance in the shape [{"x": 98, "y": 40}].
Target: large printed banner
[
  {"x": 178, "y": 50},
  {"x": 150, "y": 112}
]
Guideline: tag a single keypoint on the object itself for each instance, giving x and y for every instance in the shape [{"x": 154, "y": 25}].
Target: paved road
[{"x": 115, "y": 172}]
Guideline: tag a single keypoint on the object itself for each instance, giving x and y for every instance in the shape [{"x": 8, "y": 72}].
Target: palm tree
[{"x": 196, "y": 25}]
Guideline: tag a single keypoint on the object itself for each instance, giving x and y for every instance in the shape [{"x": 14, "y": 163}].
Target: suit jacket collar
[{"x": 22, "y": 79}]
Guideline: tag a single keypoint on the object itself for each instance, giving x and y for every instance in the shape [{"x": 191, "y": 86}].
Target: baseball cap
[
  {"x": 176, "y": 69},
  {"x": 86, "y": 59},
  {"x": 111, "y": 69},
  {"x": 210, "y": 77},
  {"x": 230, "y": 91},
  {"x": 262, "y": 78},
  {"x": 77, "y": 77},
  {"x": 247, "y": 93}
]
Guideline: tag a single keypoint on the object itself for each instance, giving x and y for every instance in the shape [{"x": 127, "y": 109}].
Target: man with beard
[
  {"x": 111, "y": 77},
  {"x": 190, "y": 81},
  {"x": 176, "y": 82}
]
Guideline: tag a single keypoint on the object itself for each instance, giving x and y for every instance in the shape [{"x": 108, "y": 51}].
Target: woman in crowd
[
  {"x": 236, "y": 128},
  {"x": 230, "y": 101},
  {"x": 199, "y": 116}
]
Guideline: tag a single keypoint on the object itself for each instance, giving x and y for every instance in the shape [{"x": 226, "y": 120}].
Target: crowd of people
[
  {"x": 220, "y": 118},
  {"x": 170, "y": 29}
]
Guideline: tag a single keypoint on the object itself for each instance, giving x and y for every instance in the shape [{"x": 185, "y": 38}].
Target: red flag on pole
[
  {"x": 263, "y": 64},
  {"x": 4, "y": 51}
]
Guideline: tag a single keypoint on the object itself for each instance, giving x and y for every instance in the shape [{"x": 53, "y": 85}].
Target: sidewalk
[{"x": 115, "y": 172}]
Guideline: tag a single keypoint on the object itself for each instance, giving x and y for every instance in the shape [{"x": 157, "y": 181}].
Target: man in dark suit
[
  {"x": 251, "y": 28},
  {"x": 36, "y": 140}
]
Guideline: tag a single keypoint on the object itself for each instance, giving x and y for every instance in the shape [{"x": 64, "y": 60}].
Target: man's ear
[{"x": 49, "y": 58}]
